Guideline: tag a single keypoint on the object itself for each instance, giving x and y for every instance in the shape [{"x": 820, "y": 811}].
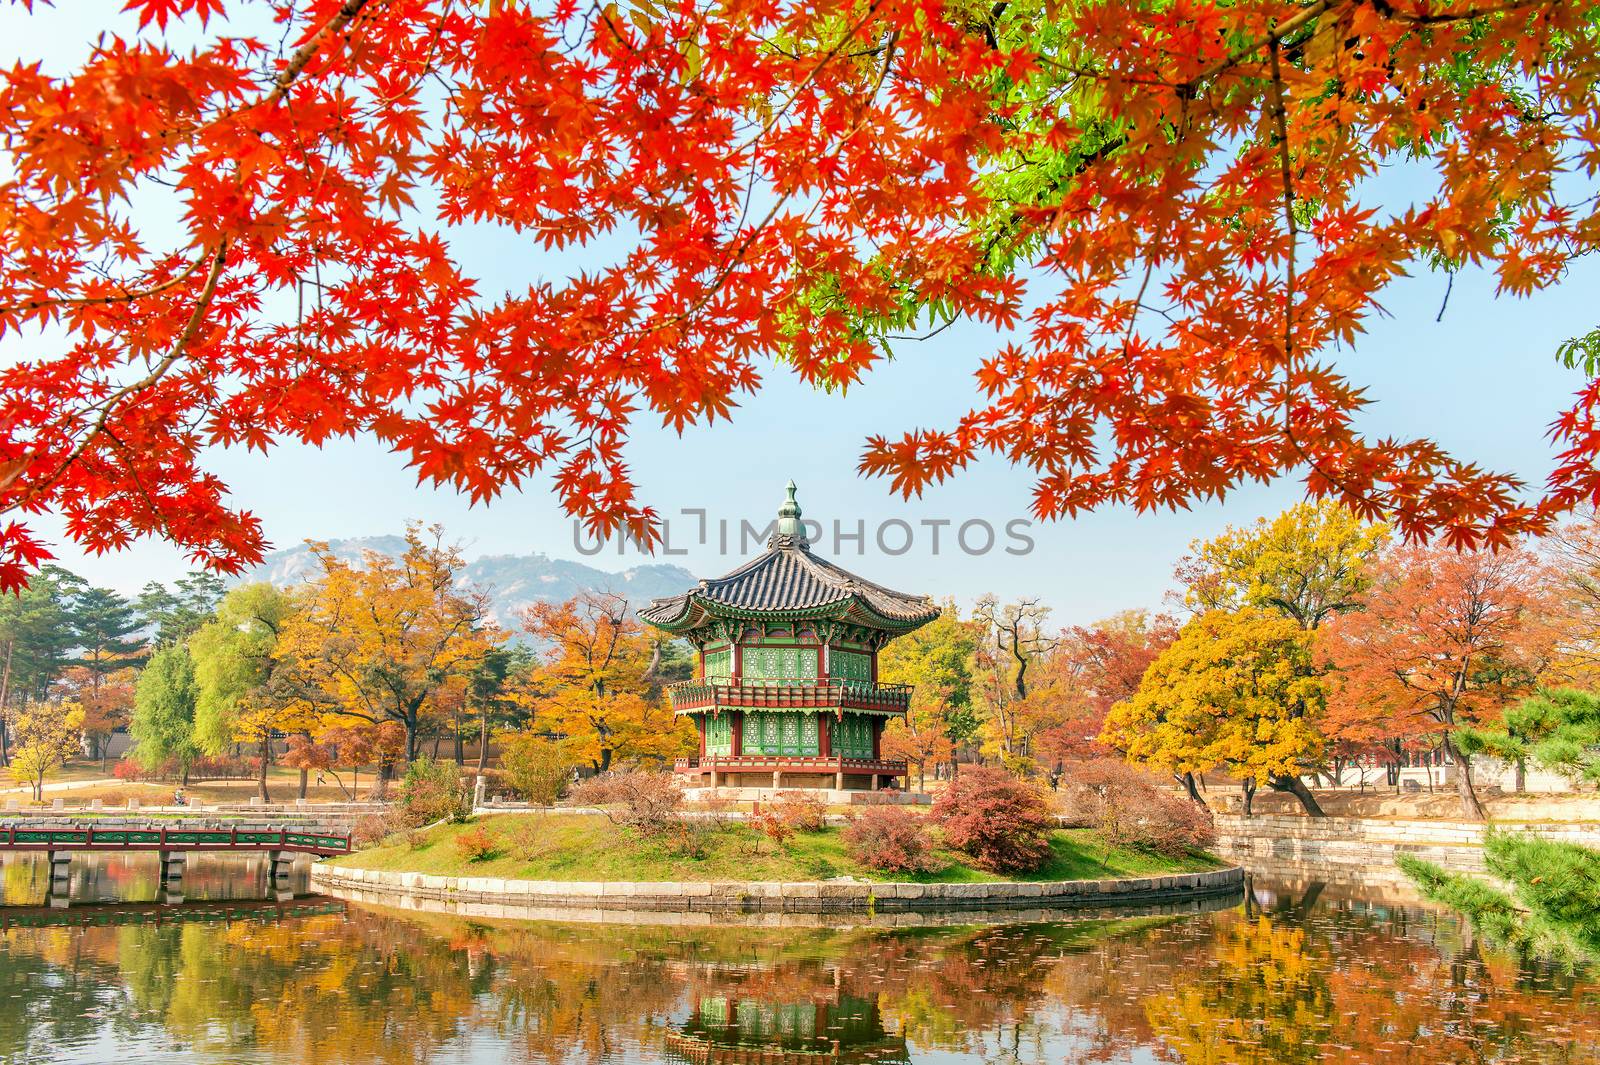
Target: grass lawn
[{"x": 542, "y": 847}]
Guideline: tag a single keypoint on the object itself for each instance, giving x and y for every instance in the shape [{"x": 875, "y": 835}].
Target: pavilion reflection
[{"x": 745, "y": 1031}]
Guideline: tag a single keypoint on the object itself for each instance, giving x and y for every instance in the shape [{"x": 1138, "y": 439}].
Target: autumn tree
[
  {"x": 1185, "y": 267},
  {"x": 379, "y": 641},
  {"x": 246, "y": 693},
  {"x": 593, "y": 689},
  {"x": 1446, "y": 639},
  {"x": 937, "y": 661},
  {"x": 1106, "y": 661},
  {"x": 1310, "y": 563},
  {"x": 46, "y": 736},
  {"x": 1237, "y": 690},
  {"x": 1012, "y": 639},
  {"x": 105, "y": 698}
]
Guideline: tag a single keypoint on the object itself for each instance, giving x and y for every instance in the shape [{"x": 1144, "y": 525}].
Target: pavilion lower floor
[{"x": 835, "y": 773}]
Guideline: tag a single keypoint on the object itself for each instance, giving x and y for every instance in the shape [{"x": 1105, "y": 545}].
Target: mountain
[{"x": 513, "y": 581}]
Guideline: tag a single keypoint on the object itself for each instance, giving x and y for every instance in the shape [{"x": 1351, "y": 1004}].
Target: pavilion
[{"x": 786, "y": 691}]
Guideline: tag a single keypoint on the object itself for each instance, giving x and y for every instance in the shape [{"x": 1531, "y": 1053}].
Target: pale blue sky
[{"x": 1483, "y": 382}]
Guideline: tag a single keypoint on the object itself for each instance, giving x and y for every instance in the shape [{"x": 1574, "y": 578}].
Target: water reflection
[
  {"x": 136, "y": 877},
  {"x": 1290, "y": 976}
]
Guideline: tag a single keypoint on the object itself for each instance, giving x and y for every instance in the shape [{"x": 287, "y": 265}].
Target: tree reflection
[{"x": 1299, "y": 981}]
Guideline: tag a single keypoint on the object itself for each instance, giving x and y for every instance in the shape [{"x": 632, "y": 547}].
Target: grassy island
[{"x": 590, "y": 848}]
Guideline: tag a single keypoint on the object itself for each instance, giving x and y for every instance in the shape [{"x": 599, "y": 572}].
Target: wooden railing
[
  {"x": 799, "y": 695},
  {"x": 791, "y": 763},
  {"x": 154, "y": 837}
]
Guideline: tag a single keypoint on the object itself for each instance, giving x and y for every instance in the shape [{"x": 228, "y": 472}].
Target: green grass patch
[{"x": 589, "y": 847}]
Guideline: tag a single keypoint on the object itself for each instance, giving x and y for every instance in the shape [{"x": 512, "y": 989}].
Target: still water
[{"x": 1296, "y": 973}]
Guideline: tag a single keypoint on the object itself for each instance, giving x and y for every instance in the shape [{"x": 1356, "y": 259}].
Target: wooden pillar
[
  {"x": 777, "y": 779},
  {"x": 877, "y": 738},
  {"x": 738, "y": 733},
  {"x": 701, "y": 722},
  {"x": 824, "y": 736},
  {"x": 874, "y": 782}
]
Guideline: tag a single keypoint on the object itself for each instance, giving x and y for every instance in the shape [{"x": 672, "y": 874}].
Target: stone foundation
[
  {"x": 1337, "y": 849},
  {"x": 775, "y": 897},
  {"x": 829, "y": 795}
]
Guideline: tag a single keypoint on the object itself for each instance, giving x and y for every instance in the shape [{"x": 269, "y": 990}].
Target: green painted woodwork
[
  {"x": 850, "y": 666},
  {"x": 719, "y": 734},
  {"x": 719, "y": 664},
  {"x": 851, "y": 735},
  {"x": 781, "y": 664},
  {"x": 787, "y": 733}
]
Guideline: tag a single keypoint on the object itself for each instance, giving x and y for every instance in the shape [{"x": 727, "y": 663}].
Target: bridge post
[
  {"x": 279, "y": 868},
  {"x": 59, "y": 895},
  {"x": 172, "y": 863}
]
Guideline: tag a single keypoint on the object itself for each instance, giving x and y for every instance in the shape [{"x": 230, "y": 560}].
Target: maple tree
[
  {"x": 1106, "y": 661},
  {"x": 1172, "y": 206},
  {"x": 1446, "y": 639},
  {"x": 594, "y": 688},
  {"x": 1239, "y": 690}
]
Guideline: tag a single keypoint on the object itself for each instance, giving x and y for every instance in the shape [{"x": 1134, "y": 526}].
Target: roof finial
[{"x": 789, "y": 518}]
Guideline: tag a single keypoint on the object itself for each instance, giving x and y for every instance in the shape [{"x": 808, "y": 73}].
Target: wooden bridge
[{"x": 173, "y": 842}]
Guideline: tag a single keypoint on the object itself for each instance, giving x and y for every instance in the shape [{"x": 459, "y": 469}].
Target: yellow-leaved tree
[
  {"x": 1237, "y": 690},
  {"x": 1310, "y": 563},
  {"x": 382, "y": 641},
  {"x": 595, "y": 689},
  {"x": 46, "y": 735}
]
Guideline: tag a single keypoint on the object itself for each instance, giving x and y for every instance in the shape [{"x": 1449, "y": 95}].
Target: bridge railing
[{"x": 101, "y": 837}]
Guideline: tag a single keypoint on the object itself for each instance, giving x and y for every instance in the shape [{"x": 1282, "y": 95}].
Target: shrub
[
  {"x": 649, "y": 802},
  {"x": 128, "y": 769},
  {"x": 1131, "y": 808},
  {"x": 773, "y": 825},
  {"x": 800, "y": 811},
  {"x": 433, "y": 791},
  {"x": 478, "y": 844},
  {"x": 535, "y": 767},
  {"x": 1002, "y": 824},
  {"x": 370, "y": 830},
  {"x": 891, "y": 839},
  {"x": 528, "y": 839}
]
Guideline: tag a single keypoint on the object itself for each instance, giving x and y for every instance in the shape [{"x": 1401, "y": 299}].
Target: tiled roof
[{"x": 788, "y": 577}]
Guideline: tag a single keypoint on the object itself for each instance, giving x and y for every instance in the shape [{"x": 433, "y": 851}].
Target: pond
[{"x": 1295, "y": 972}]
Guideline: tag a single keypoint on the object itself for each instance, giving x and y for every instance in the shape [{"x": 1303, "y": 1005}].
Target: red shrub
[
  {"x": 128, "y": 769},
  {"x": 1132, "y": 808},
  {"x": 1000, "y": 822},
  {"x": 649, "y": 802},
  {"x": 891, "y": 839},
  {"x": 800, "y": 811},
  {"x": 478, "y": 844}
]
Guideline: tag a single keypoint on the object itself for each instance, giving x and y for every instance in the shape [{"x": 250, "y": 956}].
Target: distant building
[{"x": 786, "y": 691}]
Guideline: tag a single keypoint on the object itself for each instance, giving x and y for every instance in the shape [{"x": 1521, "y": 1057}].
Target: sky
[{"x": 1483, "y": 381}]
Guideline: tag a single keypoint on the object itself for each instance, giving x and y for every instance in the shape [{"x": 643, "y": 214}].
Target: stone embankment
[
  {"x": 1339, "y": 849},
  {"x": 776, "y": 897}
]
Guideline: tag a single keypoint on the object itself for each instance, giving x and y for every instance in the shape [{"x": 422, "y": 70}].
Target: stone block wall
[{"x": 1335, "y": 848}]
